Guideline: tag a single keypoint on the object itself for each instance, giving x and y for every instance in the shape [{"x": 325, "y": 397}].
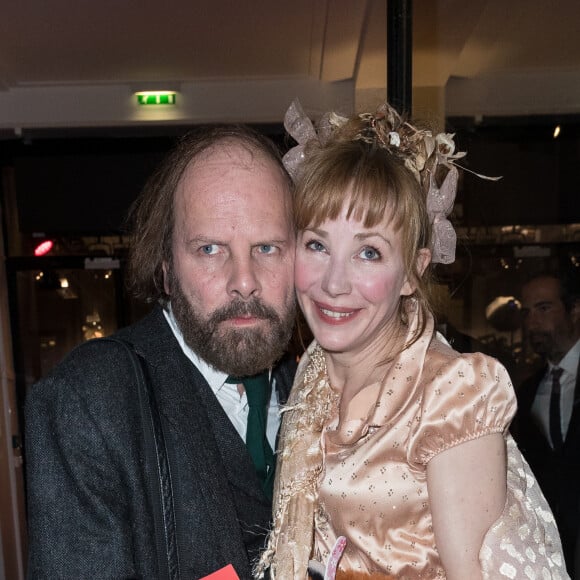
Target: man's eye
[
  {"x": 209, "y": 249},
  {"x": 266, "y": 249}
]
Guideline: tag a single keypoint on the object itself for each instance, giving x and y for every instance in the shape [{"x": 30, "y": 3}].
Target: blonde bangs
[{"x": 371, "y": 184}]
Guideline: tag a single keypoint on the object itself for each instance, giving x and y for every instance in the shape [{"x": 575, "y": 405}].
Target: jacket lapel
[
  {"x": 235, "y": 457},
  {"x": 189, "y": 395},
  {"x": 573, "y": 428}
]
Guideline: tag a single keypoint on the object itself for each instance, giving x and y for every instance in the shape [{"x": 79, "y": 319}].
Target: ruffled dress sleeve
[{"x": 464, "y": 397}]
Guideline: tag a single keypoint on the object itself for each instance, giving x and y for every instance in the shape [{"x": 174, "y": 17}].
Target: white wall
[{"x": 251, "y": 101}]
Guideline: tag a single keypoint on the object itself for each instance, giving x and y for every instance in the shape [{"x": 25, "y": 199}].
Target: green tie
[{"x": 258, "y": 393}]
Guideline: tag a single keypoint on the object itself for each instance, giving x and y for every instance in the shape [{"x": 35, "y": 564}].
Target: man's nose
[
  {"x": 532, "y": 320},
  {"x": 243, "y": 279}
]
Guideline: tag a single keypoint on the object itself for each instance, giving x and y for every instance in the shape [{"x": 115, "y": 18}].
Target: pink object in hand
[{"x": 334, "y": 557}]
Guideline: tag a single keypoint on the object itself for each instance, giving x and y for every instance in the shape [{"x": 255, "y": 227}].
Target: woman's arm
[{"x": 467, "y": 490}]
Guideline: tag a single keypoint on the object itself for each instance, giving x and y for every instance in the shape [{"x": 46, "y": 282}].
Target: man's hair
[
  {"x": 151, "y": 217},
  {"x": 568, "y": 283}
]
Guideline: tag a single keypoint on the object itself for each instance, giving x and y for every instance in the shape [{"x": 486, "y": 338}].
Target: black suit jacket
[
  {"x": 90, "y": 514},
  {"x": 558, "y": 473}
]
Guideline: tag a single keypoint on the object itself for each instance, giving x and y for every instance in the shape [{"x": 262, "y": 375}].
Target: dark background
[
  {"x": 541, "y": 181},
  {"x": 84, "y": 185}
]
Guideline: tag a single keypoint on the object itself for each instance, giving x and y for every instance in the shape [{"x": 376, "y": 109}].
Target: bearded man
[{"x": 213, "y": 246}]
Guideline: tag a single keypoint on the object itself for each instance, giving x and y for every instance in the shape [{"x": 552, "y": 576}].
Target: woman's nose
[{"x": 336, "y": 280}]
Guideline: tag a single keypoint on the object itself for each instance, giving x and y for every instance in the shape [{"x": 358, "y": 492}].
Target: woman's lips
[{"x": 334, "y": 314}]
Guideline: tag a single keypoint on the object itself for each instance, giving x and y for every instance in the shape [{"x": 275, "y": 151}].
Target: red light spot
[{"x": 43, "y": 248}]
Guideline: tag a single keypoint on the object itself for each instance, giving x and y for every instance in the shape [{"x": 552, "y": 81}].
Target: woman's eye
[
  {"x": 209, "y": 249},
  {"x": 315, "y": 246},
  {"x": 369, "y": 253}
]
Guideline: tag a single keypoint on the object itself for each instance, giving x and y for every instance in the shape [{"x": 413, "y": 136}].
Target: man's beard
[{"x": 235, "y": 351}]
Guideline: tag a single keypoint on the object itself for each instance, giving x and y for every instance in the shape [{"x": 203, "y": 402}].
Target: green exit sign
[{"x": 156, "y": 97}]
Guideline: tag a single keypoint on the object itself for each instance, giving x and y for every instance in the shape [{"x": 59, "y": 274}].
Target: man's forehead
[
  {"x": 232, "y": 175},
  {"x": 223, "y": 167},
  {"x": 232, "y": 152},
  {"x": 541, "y": 290}
]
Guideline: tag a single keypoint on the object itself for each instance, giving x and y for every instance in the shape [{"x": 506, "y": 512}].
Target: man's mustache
[
  {"x": 255, "y": 308},
  {"x": 535, "y": 336}
]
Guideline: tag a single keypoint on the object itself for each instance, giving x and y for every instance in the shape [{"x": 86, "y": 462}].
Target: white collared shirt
[
  {"x": 228, "y": 395},
  {"x": 541, "y": 404}
]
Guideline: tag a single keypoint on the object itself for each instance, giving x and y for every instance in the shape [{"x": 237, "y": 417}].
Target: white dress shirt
[
  {"x": 234, "y": 404},
  {"x": 541, "y": 404}
]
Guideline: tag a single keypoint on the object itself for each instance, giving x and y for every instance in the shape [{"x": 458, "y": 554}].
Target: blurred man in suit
[{"x": 547, "y": 424}]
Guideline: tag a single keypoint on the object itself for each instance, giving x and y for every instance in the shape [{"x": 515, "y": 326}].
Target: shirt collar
[{"x": 569, "y": 363}]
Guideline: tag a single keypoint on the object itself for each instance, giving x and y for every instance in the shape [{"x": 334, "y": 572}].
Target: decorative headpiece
[{"x": 421, "y": 153}]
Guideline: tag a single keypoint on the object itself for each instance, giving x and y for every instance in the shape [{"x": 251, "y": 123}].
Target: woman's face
[{"x": 349, "y": 281}]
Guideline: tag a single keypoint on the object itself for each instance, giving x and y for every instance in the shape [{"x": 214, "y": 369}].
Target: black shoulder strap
[{"x": 158, "y": 469}]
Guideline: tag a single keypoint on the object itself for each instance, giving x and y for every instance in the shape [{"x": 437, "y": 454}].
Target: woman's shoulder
[
  {"x": 463, "y": 396},
  {"x": 454, "y": 373},
  {"x": 441, "y": 355},
  {"x": 473, "y": 378}
]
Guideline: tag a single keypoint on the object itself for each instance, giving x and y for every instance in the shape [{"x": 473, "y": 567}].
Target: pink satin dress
[{"x": 373, "y": 489}]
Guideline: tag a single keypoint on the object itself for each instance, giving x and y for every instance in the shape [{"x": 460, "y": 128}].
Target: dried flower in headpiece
[
  {"x": 394, "y": 139},
  {"x": 424, "y": 155}
]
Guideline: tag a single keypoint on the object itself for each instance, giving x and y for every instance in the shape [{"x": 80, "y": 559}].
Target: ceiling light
[
  {"x": 556, "y": 131},
  {"x": 156, "y": 97}
]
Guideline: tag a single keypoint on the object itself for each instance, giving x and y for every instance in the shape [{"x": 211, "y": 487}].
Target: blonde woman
[{"x": 395, "y": 448}]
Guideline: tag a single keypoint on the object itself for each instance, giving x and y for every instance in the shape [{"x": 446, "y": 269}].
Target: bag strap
[{"x": 158, "y": 469}]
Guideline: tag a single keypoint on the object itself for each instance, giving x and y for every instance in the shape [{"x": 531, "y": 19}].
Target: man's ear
[
  {"x": 166, "y": 286},
  {"x": 575, "y": 314},
  {"x": 421, "y": 263}
]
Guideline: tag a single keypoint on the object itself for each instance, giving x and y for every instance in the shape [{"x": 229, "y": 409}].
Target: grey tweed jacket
[{"x": 89, "y": 511}]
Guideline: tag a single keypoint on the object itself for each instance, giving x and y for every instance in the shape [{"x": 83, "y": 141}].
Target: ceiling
[{"x": 77, "y": 63}]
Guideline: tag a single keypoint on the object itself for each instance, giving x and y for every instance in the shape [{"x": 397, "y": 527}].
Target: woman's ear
[
  {"x": 421, "y": 263},
  {"x": 423, "y": 260}
]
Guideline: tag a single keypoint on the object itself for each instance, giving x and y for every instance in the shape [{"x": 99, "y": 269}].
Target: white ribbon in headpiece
[
  {"x": 439, "y": 205},
  {"x": 300, "y": 127}
]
